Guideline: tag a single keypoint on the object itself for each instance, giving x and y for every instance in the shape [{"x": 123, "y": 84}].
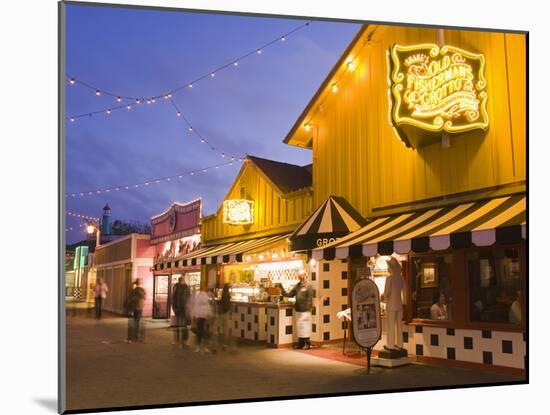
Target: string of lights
[
  {"x": 194, "y": 131},
  {"x": 80, "y": 215},
  {"x": 136, "y": 100},
  {"x": 350, "y": 65},
  {"x": 147, "y": 183},
  {"x": 70, "y": 228}
]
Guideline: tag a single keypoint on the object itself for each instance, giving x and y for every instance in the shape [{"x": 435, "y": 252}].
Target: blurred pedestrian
[
  {"x": 303, "y": 305},
  {"x": 134, "y": 305},
  {"x": 180, "y": 299},
  {"x": 100, "y": 294},
  {"x": 202, "y": 311},
  {"x": 223, "y": 308}
]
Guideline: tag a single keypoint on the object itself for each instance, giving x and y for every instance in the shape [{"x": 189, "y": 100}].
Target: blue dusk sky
[{"x": 246, "y": 109}]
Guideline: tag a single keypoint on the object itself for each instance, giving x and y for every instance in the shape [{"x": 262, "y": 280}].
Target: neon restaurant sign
[
  {"x": 238, "y": 212},
  {"x": 435, "y": 89}
]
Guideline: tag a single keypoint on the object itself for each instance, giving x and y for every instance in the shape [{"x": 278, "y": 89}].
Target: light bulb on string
[
  {"x": 190, "y": 85},
  {"x": 108, "y": 112},
  {"x": 283, "y": 39},
  {"x": 259, "y": 51},
  {"x": 307, "y": 127},
  {"x": 138, "y": 101},
  {"x": 334, "y": 87},
  {"x": 72, "y": 119},
  {"x": 178, "y": 114},
  {"x": 118, "y": 99},
  {"x": 98, "y": 92},
  {"x": 128, "y": 107},
  {"x": 212, "y": 75},
  {"x": 236, "y": 63},
  {"x": 350, "y": 65},
  {"x": 153, "y": 100},
  {"x": 190, "y": 129},
  {"x": 72, "y": 81}
]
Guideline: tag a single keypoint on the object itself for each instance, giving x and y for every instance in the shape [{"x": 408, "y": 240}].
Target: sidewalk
[{"x": 104, "y": 371}]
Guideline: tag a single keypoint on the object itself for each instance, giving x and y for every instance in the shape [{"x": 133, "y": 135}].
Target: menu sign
[
  {"x": 437, "y": 88},
  {"x": 365, "y": 313}
]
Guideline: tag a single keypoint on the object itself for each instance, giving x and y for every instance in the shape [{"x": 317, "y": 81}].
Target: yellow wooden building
[
  {"x": 423, "y": 131},
  {"x": 282, "y": 197},
  {"x": 357, "y": 154}
]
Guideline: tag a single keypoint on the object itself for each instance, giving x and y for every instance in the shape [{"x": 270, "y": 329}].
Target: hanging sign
[
  {"x": 365, "y": 313},
  {"x": 238, "y": 211},
  {"x": 437, "y": 88}
]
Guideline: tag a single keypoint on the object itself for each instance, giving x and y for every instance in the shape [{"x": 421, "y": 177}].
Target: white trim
[
  {"x": 370, "y": 249},
  {"x": 484, "y": 237},
  {"x": 317, "y": 254},
  {"x": 342, "y": 253},
  {"x": 402, "y": 247},
  {"x": 440, "y": 242}
]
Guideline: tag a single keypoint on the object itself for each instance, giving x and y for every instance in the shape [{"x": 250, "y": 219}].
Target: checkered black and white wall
[{"x": 476, "y": 346}]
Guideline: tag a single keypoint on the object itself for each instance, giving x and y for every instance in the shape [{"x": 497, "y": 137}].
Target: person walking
[
  {"x": 303, "y": 305},
  {"x": 202, "y": 311},
  {"x": 224, "y": 306},
  {"x": 180, "y": 299},
  {"x": 135, "y": 301},
  {"x": 100, "y": 294}
]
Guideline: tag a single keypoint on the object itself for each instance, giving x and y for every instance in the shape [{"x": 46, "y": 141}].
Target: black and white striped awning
[
  {"x": 483, "y": 223},
  {"x": 332, "y": 220},
  {"x": 230, "y": 252}
]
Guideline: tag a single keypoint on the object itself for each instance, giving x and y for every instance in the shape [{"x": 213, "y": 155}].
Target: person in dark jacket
[
  {"x": 180, "y": 299},
  {"x": 134, "y": 305},
  {"x": 224, "y": 306},
  {"x": 303, "y": 305}
]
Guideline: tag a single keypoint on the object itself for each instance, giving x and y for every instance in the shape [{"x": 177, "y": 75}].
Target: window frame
[{"x": 460, "y": 287}]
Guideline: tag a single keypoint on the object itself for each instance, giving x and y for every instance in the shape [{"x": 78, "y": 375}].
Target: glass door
[{"x": 160, "y": 296}]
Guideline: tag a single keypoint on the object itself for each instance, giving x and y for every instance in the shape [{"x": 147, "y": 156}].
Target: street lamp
[{"x": 91, "y": 229}]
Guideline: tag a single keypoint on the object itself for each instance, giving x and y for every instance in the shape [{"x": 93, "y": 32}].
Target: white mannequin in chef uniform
[{"x": 393, "y": 297}]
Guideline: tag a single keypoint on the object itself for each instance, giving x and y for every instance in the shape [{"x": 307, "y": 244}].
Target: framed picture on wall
[{"x": 429, "y": 277}]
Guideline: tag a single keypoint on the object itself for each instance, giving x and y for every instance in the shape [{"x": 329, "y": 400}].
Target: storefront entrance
[{"x": 160, "y": 297}]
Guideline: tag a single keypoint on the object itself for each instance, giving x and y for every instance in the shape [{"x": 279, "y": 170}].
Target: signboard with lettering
[
  {"x": 437, "y": 89},
  {"x": 238, "y": 212},
  {"x": 365, "y": 313}
]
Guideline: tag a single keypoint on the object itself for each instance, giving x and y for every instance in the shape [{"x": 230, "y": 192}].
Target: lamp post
[{"x": 91, "y": 228}]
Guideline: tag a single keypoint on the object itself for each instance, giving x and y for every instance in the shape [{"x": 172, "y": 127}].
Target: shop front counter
[{"x": 263, "y": 322}]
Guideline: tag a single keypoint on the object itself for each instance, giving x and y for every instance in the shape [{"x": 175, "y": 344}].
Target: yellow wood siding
[
  {"x": 273, "y": 213},
  {"x": 356, "y": 153}
]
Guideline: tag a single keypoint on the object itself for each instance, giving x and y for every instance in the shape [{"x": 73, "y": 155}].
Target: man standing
[
  {"x": 393, "y": 291},
  {"x": 136, "y": 299},
  {"x": 180, "y": 298},
  {"x": 303, "y": 305},
  {"x": 100, "y": 293}
]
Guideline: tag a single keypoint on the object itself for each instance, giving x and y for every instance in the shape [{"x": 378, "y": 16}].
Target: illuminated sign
[
  {"x": 238, "y": 212},
  {"x": 438, "y": 88}
]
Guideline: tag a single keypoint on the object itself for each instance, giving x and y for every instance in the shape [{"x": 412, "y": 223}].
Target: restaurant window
[
  {"x": 495, "y": 285},
  {"x": 431, "y": 287}
]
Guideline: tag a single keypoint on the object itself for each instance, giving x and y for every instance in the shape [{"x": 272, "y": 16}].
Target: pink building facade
[{"x": 175, "y": 232}]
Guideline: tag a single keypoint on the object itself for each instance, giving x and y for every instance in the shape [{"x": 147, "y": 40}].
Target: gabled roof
[
  {"x": 287, "y": 177},
  {"x": 297, "y": 136}
]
